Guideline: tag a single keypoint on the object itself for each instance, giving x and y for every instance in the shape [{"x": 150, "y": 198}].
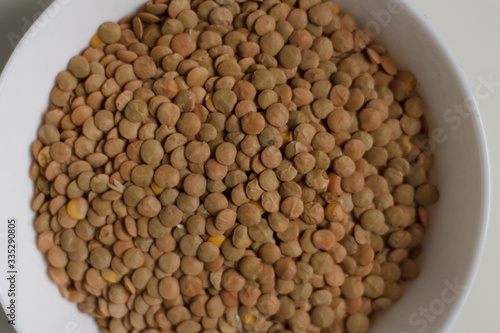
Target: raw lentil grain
[{"x": 233, "y": 166}]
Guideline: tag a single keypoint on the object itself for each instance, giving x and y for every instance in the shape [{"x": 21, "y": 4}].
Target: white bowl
[{"x": 455, "y": 241}]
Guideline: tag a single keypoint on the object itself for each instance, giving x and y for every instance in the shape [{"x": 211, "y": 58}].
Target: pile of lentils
[{"x": 233, "y": 166}]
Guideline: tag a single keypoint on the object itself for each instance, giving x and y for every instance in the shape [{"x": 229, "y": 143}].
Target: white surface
[{"x": 470, "y": 31}]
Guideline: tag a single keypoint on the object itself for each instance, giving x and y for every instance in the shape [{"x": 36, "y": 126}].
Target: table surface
[{"x": 471, "y": 31}]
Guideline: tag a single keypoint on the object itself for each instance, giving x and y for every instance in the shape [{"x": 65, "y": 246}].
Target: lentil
[{"x": 208, "y": 161}]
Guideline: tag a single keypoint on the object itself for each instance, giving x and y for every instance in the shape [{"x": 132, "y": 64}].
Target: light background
[{"x": 472, "y": 31}]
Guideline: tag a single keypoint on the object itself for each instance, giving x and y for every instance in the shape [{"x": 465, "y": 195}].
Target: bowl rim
[
  {"x": 485, "y": 171},
  {"x": 466, "y": 90}
]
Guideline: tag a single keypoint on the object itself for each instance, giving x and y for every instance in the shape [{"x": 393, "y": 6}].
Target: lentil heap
[{"x": 233, "y": 166}]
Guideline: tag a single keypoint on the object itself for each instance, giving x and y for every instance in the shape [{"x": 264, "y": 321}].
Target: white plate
[{"x": 451, "y": 251}]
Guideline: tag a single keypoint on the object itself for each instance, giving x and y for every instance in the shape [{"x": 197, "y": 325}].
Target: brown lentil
[{"x": 203, "y": 162}]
